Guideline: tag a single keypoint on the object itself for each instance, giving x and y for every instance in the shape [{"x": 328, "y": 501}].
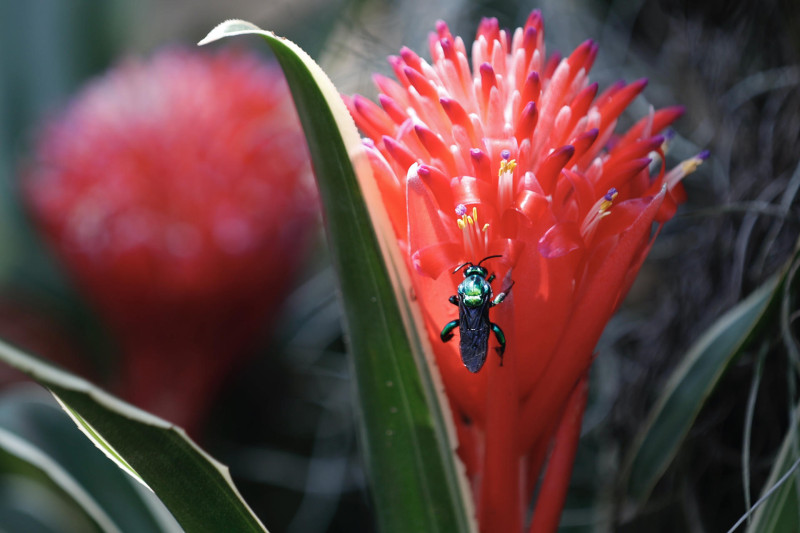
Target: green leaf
[
  {"x": 690, "y": 386},
  {"x": 778, "y": 509},
  {"x": 694, "y": 380},
  {"x": 31, "y": 417},
  {"x": 26, "y": 471},
  {"x": 196, "y": 489},
  {"x": 406, "y": 443}
]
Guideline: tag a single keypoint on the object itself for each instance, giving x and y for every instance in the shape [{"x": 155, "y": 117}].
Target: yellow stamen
[
  {"x": 690, "y": 165},
  {"x": 476, "y": 238},
  {"x": 608, "y": 202},
  {"x": 507, "y": 165}
]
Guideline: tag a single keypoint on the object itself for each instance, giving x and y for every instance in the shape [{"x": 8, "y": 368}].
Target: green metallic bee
[{"x": 474, "y": 299}]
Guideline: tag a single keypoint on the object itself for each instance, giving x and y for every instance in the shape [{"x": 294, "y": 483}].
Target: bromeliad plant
[
  {"x": 516, "y": 157},
  {"x": 165, "y": 188}
]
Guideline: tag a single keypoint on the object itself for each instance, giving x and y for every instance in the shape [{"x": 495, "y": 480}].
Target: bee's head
[{"x": 473, "y": 270}]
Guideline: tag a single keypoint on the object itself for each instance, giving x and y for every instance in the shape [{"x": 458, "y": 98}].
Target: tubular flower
[
  {"x": 178, "y": 192},
  {"x": 517, "y": 156}
]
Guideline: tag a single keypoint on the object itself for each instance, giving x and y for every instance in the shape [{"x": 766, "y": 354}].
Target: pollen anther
[{"x": 476, "y": 237}]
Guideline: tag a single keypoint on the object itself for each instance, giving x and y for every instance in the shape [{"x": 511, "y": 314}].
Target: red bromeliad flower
[
  {"x": 518, "y": 156},
  {"x": 178, "y": 192}
]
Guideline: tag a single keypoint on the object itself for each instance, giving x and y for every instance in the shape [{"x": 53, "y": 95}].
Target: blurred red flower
[
  {"x": 518, "y": 156},
  {"x": 178, "y": 192}
]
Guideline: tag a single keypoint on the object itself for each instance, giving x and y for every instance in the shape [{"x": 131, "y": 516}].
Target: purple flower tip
[
  {"x": 669, "y": 134},
  {"x": 505, "y": 154},
  {"x": 610, "y": 194},
  {"x": 702, "y": 156},
  {"x": 461, "y": 210},
  {"x": 475, "y": 153}
]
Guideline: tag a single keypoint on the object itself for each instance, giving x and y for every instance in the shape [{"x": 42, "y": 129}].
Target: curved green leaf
[
  {"x": 33, "y": 505},
  {"x": 31, "y": 417},
  {"x": 25, "y": 468},
  {"x": 693, "y": 381},
  {"x": 405, "y": 440},
  {"x": 196, "y": 489},
  {"x": 778, "y": 509},
  {"x": 688, "y": 388}
]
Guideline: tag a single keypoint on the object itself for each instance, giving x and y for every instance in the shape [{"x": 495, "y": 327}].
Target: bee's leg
[
  {"x": 453, "y": 299},
  {"x": 491, "y": 278},
  {"x": 447, "y": 331},
  {"x": 502, "y": 296},
  {"x": 501, "y": 339}
]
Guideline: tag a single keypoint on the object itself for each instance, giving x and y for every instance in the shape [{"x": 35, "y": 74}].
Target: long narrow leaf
[
  {"x": 30, "y": 415},
  {"x": 406, "y": 443},
  {"x": 780, "y": 499},
  {"x": 689, "y": 387},
  {"x": 30, "y": 458},
  {"x": 778, "y": 510},
  {"x": 196, "y": 489}
]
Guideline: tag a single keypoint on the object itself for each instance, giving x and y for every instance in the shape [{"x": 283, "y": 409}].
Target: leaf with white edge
[
  {"x": 32, "y": 415},
  {"x": 31, "y": 458},
  {"x": 407, "y": 436},
  {"x": 196, "y": 489}
]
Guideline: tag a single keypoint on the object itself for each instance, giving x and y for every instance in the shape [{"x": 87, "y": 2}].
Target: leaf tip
[{"x": 228, "y": 28}]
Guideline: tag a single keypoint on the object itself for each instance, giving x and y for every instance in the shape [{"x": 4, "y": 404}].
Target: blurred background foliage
[{"x": 284, "y": 423}]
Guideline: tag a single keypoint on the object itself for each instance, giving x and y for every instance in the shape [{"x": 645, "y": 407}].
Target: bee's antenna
[
  {"x": 485, "y": 258},
  {"x": 462, "y": 266}
]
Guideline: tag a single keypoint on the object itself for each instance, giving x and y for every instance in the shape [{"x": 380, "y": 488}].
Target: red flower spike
[
  {"x": 660, "y": 120},
  {"x": 581, "y": 144},
  {"x": 370, "y": 117},
  {"x": 581, "y": 103},
  {"x": 611, "y": 109},
  {"x": 619, "y": 175},
  {"x": 488, "y": 81},
  {"x": 551, "y": 65},
  {"x": 391, "y": 108},
  {"x": 167, "y": 188},
  {"x": 532, "y": 88},
  {"x": 438, "y": 183},
  {"x": 392, "y": 89},
  {"x": 404, "y": 157},
  {"x": 529, "y": 43},
  {"x": 480, "y": 162},
  {"x": 411, "y": 59},
  {"x": 420, "y": 83},
  {"x": 435, "y": 147},
  {"x": 523, "y": 141},
  {"x": 551, "y": 167},
  {"x": 527, "y": 121},
  {"x": 553, "y": 492}
]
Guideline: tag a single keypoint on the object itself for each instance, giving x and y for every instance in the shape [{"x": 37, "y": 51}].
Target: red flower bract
[
  {"x": 178, "y": 192},
  {"x": 517, "y": 155}
]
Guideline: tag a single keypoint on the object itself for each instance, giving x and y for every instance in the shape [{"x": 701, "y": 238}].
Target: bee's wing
[{"x": 474, "y": 330}]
